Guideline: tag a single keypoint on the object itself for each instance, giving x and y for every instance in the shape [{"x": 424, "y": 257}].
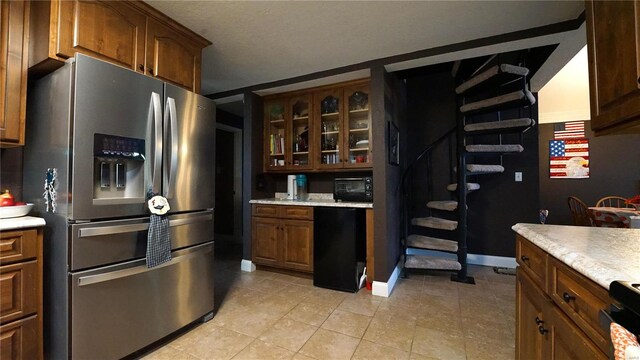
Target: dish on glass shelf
[{"x": 362, "y": 143}]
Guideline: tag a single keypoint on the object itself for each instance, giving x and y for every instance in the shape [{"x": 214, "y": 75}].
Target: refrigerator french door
[{"x": 113, "y": 135}]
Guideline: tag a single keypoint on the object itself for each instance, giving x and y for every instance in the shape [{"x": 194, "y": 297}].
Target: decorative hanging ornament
[{"x": 158, "y": 205}]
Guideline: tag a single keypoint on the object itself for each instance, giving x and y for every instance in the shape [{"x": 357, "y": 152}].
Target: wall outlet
[{"x": 518, "y": 176}]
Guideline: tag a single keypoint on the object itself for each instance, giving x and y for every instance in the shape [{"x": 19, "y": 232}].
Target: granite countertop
[
  {"x": 22, "y": 222},
  {"x": 315, "y": 199},
  {"x": 601, "y": 254}
]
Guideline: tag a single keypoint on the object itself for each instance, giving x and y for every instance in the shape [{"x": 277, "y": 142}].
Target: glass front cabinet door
[
  {"x": 357, "y": 122},
  {"x": 328, "y": 109},
  {"x": 300, "y": 128},
  {"x": 276, "y": 134}
]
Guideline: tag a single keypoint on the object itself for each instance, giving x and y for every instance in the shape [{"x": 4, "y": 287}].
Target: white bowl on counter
[{"x": 14, "y": 211}]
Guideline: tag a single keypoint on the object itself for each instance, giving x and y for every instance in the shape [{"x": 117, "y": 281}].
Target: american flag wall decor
[
  {"x": 568, "y": 130},
  {"x": 569, "y": 159}
]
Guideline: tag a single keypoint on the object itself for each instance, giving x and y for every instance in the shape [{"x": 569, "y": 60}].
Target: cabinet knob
[
  {"x": 141, "y": 67},
  {"x": 524, "y": 258},
  {"x": 538, "y": 321},
  {"x": 542, "y": 330},
  {"x": 150, "y": 71},
  {"x": 568, "y": 297}
]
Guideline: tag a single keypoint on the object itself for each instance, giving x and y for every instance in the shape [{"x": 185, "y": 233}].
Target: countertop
[
  {"x": 601, "y": 254},
  {"x": 315, "y": 199},
  {"x": 22, "y": 222}
]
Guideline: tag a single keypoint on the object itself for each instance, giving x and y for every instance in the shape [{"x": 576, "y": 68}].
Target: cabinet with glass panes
[
  {"x": 319, "y": 129},
  {"x": 288, "y": 128},
  {"x": 275, "y": 133}
]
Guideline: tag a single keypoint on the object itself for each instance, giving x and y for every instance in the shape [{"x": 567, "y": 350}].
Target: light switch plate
[{"x": 518, "y": 176}]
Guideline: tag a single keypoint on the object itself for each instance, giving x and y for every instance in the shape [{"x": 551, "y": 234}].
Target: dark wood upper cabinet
[
  {"x": 127, "y": 33},
  {"x": 613, "y": 30},
  {"x": 14, "y": 26}
]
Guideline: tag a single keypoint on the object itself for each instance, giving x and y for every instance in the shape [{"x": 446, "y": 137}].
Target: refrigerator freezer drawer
[
  {"x": 119, "y": 309},
  {"x": 110, "y": 242}
]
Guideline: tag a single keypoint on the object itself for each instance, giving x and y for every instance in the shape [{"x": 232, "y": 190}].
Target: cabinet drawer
[
  {"x": 17, "y": 246},
  {"x": 296, "y": 212},
  {"x": 18, "y": 290},
  {"x": 264, "y": 210},
  {"x": 19, "y": 339},
  {"x": 580, "y": 299},
  {"x": 533, "y": 259}
]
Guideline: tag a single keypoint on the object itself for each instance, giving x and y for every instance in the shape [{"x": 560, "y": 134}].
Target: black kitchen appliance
[
  {"x": 353, "y": 189},
  {"x": 339, "y": 247},
  {"x": 625, "y": 309}
]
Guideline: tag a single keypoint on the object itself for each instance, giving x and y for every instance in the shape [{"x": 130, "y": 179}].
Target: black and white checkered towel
[{"x": 158, "y": 241}]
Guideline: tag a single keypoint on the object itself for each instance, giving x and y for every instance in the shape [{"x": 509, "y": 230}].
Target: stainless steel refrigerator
[{"x": 113, "y": 135}]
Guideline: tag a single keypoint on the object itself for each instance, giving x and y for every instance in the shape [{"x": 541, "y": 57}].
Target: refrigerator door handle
[
  {"x": 122, "y": 229},
  {"x": 94, "y": 279},
  {"x": 157, "y": 145},
  {"x": 173, "y": 128}
]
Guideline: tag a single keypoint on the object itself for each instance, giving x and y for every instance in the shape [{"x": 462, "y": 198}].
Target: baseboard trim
[
  {"x": 384, "y": 289},
  {"x": 490, "y": 260},
  {"x": 247, "y": 266},
  {"x": 473, "y": 259}
]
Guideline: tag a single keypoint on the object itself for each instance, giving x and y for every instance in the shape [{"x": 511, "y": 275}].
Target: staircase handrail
[{"x": 423, "y": 153}]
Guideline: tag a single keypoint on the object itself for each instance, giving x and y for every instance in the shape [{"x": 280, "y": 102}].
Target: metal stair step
[
  {"x": 447, "y": 205},
  {"x": 495, "y": 76},
  {"x": 435, "y": 223},
  {"x": 503, "y": 126},
  {"x": 470, "y": 187},
  {"x": 517, "y": 98},
  {"x": 494, "y": 148},
  {"x": 431, "y": 263},
  {"x": 431, "y": 243},
  {"x": 479, "y": 169}
]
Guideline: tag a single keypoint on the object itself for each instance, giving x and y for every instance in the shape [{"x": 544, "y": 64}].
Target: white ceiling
[{"x": 255, "y": 42}]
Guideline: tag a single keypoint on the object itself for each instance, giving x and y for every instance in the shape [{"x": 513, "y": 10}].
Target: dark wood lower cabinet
[
  {"x": 282, "y": 237},
  {"x": 548, "y": 329}
]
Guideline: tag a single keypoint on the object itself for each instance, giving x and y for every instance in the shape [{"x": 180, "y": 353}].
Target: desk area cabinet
[{"x": 282, "y": 236}]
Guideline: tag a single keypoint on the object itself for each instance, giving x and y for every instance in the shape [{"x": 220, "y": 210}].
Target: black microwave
[{"x": 353, "y": 189}]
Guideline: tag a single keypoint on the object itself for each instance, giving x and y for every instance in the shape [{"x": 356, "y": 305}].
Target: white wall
[{"x": 566, "y": 96}]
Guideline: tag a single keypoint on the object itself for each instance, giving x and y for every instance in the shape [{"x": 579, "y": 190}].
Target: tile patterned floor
[{"x": 265, "y": 315}]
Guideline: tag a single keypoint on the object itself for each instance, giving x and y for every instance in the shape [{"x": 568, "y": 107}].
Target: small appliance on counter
[
  {"x": 359, "y": 189},
  {"x": 297, "y": 187}
]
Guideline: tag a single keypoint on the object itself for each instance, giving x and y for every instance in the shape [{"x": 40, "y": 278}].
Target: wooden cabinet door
[
  {"x": 300, "y": 130},
  {"x": 328, "y": 111},
  {"x": 20, "y": 339},
  {"x": 110, "y": 30},
  {"x": 172, "y": 57},
  {"x": 14, "y": 26},
  {"x": 297, "y": 244},
  {"x": 357, "y": 127},
  {"x": 613, "y": 28},
  {"x": 567, "y": 341},
  {"x": 530, "y": 306},
  {"x": 265, "y": 241},
  {"x": 276, "y": 135}
]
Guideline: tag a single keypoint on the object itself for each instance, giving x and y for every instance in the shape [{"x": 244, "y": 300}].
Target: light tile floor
[{"x": 266, "y": 315}]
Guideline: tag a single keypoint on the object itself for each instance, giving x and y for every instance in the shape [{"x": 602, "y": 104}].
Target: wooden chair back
[
  {"x": 579, "y": 212},
  {"x": 613, "y": 201}
]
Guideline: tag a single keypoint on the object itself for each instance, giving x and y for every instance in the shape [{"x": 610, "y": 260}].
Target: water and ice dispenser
[{"x": 118, "y": 169}]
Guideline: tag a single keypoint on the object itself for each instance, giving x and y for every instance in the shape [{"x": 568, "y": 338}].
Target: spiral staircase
[{"x": 482, "y": 100}]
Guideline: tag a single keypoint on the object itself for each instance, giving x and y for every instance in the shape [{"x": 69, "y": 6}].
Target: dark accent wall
[
  {"x": 227, "y": 118},
  {"x": 11, "y": 171},
  {"x": 614, "y": 170},
  {"x": 252, "y": 140},
  {"x": 501, "y": 202},
  {"x": 388, "y": 98}
]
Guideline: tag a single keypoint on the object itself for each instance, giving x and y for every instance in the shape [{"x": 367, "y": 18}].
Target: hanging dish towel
[
  {"x": 158, "y": 240},
  {"x": 625, "y": 343}
]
